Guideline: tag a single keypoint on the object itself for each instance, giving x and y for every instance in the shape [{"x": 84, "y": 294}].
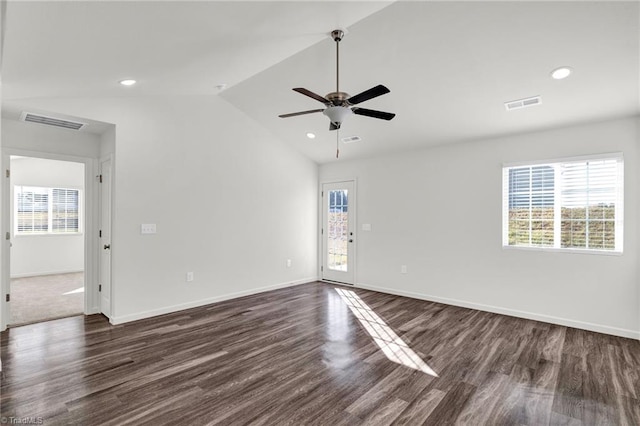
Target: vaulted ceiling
[{"x": 450, "y": 65}]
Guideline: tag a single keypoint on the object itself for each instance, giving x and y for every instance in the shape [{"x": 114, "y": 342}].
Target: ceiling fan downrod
[{"x": 337, "y": 37}]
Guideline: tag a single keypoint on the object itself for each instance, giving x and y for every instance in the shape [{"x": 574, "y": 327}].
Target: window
[
  {"x": 32, "y": 212},
  {"x": 41, "y": 210},
  {"x": 572, "y": 204}
]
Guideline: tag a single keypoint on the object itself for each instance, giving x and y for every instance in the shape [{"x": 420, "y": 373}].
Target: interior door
[
  {"x": 105, "y": 237},
  {"x": 338, "y": 226}
]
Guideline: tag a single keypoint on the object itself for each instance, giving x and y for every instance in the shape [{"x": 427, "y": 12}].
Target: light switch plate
[
  {"x": 366, "y": 227},
  {"x": 148, "y": 228}
]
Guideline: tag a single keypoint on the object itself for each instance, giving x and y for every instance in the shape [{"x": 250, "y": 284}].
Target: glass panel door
[{"x": 338, "y": 232}]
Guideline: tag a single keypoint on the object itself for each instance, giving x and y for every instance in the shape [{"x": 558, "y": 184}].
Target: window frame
[
  {"x": 49, "y": 232},
  {"x": 619, "y": 207}
]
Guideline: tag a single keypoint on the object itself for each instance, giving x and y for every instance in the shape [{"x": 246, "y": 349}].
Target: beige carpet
[{"x": 36, "y": 299}]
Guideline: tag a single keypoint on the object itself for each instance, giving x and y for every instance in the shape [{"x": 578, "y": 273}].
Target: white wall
[
  {"x": 46, "y": 254},
  {"x": 108, "y": 142},
  {"x": 230, "y": 201},
  {"x": 42, "y": 138},
  {"x": 439, "y": 211}
]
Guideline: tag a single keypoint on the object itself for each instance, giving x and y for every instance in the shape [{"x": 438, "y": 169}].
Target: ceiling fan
[{"x": 339, "y": 105}]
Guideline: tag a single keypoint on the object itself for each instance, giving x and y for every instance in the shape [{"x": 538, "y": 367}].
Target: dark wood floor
[{"x": 314, "y": 355}]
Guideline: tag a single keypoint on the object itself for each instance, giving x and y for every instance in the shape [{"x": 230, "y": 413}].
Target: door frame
[
  {"x": 91, "y": 301},
  {"x": 109, "y": 157},
  {"x": 353, "y": 210}
]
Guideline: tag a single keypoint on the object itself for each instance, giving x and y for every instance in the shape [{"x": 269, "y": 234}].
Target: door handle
[{"x": 107, "y": 246}]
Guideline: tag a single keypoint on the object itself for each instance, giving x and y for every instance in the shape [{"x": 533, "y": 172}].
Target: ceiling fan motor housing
[{"x": 338, "y": 98}]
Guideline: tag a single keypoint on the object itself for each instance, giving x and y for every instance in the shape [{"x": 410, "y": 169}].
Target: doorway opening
[{"x": 47, "y": 206}]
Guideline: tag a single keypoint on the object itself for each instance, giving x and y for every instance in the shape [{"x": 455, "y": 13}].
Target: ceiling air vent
[
  {"x": 522, "y": 103},
  {"x": 51, "y": 121},
  {"x": 351, "y": 139}
]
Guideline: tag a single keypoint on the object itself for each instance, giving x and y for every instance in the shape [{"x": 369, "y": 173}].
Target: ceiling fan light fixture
[{"x": 337, "y": 114}]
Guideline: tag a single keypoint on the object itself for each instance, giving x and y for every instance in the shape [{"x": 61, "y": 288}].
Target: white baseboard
[
  {"x": 41, "y": 274},
  {"x": 196, "y": 303},
  {"x": 622, "y": 332}
]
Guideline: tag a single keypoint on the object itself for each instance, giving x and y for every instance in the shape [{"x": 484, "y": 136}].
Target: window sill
[
  {"x": 565, "y": 250},
  {"x": 61, "y": 234}
]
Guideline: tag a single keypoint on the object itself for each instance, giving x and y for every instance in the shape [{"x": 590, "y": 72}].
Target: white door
[
  {"x": 105, "y": 237},
  {"x": 338, "y": 229}
]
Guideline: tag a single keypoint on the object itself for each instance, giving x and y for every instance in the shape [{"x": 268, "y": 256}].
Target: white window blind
[
  {"x": 531, "y": 205},
  {"x": 39, "y": 210},
  {"x": 65, "y": 210},
  {"x": 574, "y": 204},
  {"x": 32, "y": 210}
]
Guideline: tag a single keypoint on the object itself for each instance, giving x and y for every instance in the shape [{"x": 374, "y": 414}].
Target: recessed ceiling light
[
  {"x": 311, "y": 135},
  {"x": 560, "y": 73},
  {"x": 127, "y": 82}
]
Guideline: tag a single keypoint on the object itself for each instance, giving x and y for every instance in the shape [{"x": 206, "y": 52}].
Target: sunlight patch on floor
[
  {"x": 394, "y": 348},
  {"x": 77, "y": 290}
]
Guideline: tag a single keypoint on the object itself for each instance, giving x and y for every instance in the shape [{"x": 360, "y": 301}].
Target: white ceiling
[
  {"x": 450, "y": 65},
  {"x": 83, "y": 48}
]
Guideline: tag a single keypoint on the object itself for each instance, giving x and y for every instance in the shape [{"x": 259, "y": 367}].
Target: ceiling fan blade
[
  {"x": 334, "y": 126},
  {"x": 373, "y": 113},
  {"x": 310, "y": 94},
  {"x": 374, "y": 92},
  {"x": 293, "y": 114}
]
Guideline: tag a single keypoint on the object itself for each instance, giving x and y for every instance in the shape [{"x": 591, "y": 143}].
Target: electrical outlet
[
  {"x": 189, "y": 277},
  {"x": 288, "y": 263},
  {"x": 403, "y": 269}
]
